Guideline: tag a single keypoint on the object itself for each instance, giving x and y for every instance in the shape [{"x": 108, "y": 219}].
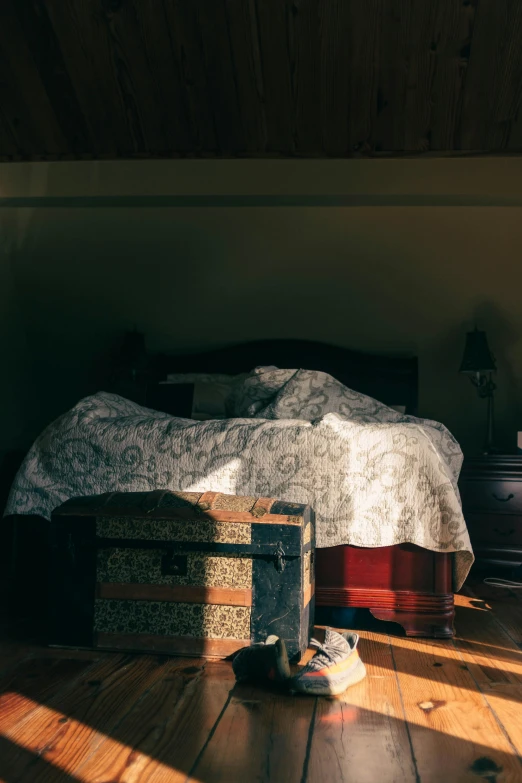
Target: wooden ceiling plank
[
  {"x": 389, "y": 125},
  {"x": 420, "y": 69},
  {"x": 493, "y": 76},
  {"x": 246, "y": 55},
  {"x": 336, "y": 32},
  {"x": 120, "y": 51},
  {"x": 364, "y": 56},
  {"x": 177, "y": 112},
  {"x": 508, "y": 91},
  {"x": 305, "y": 62},
  {"x": 85, "y": 41},
  {"x": 154, "y": 68},
  {"x": 163, "y": 78},
  {"x": 421, "y": 73},
  {"x": 188, "y": 51},
  {"x": 150, "y": 75},
  {"x": 450, "y": 50},
  {"x": 406, "y": 75},
  {"x": 26, "y": 107},
  {"x": 44, "y": 47},
  {"x": 273, "y": 37},
  {"x": 223, "y": 93}
]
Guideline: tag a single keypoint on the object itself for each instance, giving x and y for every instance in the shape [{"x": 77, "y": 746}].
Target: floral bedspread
[{"x": 374, "y": 477}]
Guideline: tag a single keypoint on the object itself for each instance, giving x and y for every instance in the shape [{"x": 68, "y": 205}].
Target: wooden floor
[{"x": 428, "y": 711}]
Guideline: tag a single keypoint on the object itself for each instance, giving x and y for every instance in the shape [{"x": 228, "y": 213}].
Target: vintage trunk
[{"x": 181, "y": 572}]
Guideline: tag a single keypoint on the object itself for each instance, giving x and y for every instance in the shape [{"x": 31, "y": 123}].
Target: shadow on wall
[
  {"x": 450, "y": 397},
  {"x": 16, "y": 415},
  {"x": 506, "y": 346}
]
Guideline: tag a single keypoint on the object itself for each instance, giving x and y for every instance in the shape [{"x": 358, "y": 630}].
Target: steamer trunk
[{"x": 181, "y": 573}]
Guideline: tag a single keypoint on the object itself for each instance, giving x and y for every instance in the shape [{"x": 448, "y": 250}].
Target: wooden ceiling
[{"x": 256, "y": 78}]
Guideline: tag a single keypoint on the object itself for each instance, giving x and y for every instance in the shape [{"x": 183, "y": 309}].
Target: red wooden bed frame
[{"x": 404, "y": 584}]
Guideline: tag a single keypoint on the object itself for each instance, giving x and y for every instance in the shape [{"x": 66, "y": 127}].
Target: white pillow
[
  {"x": 199, "y": 377},
  {"x": 398, "y": 408},
  {"x": 211, "y": 391}
]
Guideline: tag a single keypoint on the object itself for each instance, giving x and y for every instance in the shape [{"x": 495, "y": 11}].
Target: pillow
[
  {"x": 199, "y": 396},
  {"x": 199, "y": 377},
  {"x": 398, "y": 408},
  {"x": 209, "y": 400}
]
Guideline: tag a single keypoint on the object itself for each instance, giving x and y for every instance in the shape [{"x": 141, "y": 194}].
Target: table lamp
[{"x": 479, "y": 365}]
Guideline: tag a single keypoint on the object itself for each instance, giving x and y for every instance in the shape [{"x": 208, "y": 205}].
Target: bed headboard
[{"x": 392, "y": 380}]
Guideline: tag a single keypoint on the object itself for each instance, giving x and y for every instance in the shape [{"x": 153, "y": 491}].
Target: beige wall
[
  {"x": 390, "y": 279},
  {"x": 16, "y": 421}
]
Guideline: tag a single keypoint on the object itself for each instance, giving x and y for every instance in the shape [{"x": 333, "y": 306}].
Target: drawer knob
[{"x": 503, "y": 500}]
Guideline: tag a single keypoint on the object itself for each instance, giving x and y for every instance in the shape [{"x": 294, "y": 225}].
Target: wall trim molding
[
  {"x": 260, "y": 201},
  {"x": 433, "y": 182}
]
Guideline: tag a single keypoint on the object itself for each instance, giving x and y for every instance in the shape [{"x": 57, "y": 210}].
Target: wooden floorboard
[
  {"x": 428, "y": 711},
  {"x": 70, "y": 725},
  {"x": 165, "y": 735},
  {"x": 488, "y": 649},
  {"x": 504, "y": 602},
  {"x": 450, "y": 722},
  {"x": 262, "y": 735},
  {"x": 33, "y": 681},
  {"x": 362, "y": 732},
  {"x": 495, "y": 663}
]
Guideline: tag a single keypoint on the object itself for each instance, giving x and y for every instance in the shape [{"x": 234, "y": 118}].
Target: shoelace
[{"x": 322, "y": 652}]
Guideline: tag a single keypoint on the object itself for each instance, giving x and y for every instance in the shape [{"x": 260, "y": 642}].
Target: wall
[
  {"x": 90, "y": 249},
  {"x": 16, "y": 425}
]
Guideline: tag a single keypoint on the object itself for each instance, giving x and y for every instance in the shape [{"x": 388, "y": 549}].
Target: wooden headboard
[{"x": 392, "y": 380}]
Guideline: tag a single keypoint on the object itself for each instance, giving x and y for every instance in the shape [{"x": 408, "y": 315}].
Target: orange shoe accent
[{"x": 339, "y": 667}]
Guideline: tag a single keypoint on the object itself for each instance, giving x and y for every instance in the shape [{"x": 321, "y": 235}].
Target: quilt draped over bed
[{"x": 374, "y": 477}]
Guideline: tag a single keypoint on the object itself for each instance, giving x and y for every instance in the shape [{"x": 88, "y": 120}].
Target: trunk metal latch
[
  {"x": 279, "y": 555},
  {"x": 174, "y": 564}
]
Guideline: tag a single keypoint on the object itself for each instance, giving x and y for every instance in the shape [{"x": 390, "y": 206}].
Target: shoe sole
[{"x": 323, "y": 687}]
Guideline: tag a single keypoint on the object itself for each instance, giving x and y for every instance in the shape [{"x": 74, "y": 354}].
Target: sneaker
[
  {"x": 335, "y": 666},
  {"x": 263, "y": 661}
]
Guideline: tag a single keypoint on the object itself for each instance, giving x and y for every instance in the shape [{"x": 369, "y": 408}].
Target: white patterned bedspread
[{"x": 374, "y": 477}]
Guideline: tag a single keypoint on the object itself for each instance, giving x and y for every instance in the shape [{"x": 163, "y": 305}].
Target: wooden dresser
[{"x": 491, "y": 491}]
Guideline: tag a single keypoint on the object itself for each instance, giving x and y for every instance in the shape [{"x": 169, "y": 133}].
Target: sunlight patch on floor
[
  {"x": 490, "y": 657},
  {"x": 470, "y": 602},
  {"x": 459, "y": 718},
  {"x": 43, "y": 725}
]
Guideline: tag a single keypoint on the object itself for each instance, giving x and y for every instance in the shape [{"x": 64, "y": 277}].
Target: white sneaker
[{"x": 335, "y": 666}]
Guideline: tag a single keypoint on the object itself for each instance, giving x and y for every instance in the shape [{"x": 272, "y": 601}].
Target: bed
[{"x": 405, "y": 583}]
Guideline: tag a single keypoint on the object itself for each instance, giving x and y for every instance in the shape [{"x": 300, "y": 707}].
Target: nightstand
[{"x": 491, "y": 491}]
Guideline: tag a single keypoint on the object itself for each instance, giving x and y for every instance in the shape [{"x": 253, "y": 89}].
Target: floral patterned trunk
[{"x": 181, "y": 572}]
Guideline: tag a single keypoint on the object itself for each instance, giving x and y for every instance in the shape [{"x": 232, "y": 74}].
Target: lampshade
[{"x": 477, "y": 356}]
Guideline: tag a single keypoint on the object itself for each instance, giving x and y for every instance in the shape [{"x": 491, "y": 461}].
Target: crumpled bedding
[{"x": 374, "y": 477}]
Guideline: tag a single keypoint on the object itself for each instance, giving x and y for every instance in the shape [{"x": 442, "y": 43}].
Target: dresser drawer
[
  {"x": 494, "y": 529},
  {"x": 496, "y": 496}
]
